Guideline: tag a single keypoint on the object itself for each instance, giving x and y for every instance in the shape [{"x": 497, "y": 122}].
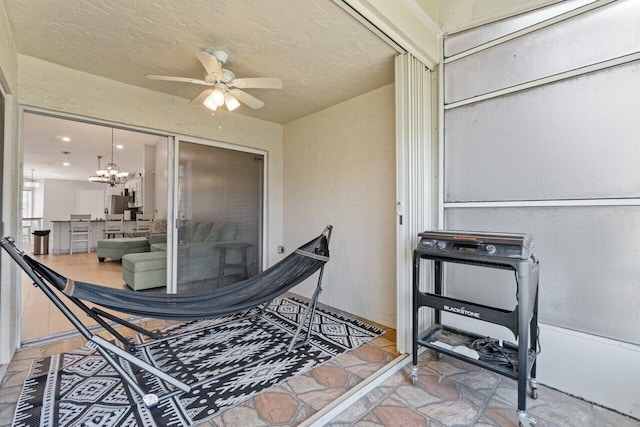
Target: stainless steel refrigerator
[{"x": 119, "y": 204}]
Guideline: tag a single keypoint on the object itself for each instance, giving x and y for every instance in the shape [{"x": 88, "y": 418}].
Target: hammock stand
[{"x": 241, "y": 297}]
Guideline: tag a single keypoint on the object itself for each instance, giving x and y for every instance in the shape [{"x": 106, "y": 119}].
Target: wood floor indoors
[
  {"x": 42, "y": 319},
  {"x": 448, "y": 393}
]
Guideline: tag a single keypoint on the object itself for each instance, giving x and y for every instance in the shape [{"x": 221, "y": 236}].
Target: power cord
[{"x": 491, "y": 351}]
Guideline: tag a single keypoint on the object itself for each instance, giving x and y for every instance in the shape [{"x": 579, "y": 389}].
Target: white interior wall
[
  {"x": 61, "y": 199},
  {"x": 38, "y": 200},
  {"x": 159, "y": 175},
  {"x": 340, "y": 170},
  {"x": 149, "y": 179}
]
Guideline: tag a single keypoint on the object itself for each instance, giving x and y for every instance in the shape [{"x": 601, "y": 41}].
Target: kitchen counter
[
  {"x": 93, "y": 220},
  {"x": 61, "y": 237}
]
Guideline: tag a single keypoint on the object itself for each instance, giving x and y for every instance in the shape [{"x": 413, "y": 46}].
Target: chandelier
[{"x": 111, "y": 174}]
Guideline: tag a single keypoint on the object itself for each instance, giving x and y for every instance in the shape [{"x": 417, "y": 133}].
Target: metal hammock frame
[{"x": 46, "y": 280}]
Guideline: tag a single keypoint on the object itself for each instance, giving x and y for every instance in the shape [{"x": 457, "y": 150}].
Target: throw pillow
[
  {"x": 228, "y": 232},
  {"x": 202, "y": 231},
  {"x": 214, "y": 234},
  {"x": 158, "y": 226}
]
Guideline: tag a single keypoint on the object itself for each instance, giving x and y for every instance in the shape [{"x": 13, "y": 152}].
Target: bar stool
[
  {"x": 79, "y": 227},
  {"x": 113, "y": 225},
  {"x": 26, "y": 226},
  {"x": 143, "y": 224}
]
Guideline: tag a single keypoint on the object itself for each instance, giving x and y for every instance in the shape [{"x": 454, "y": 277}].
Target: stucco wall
[
  {"x": 46, "y": 85},
  {"x": 340, "y": 170},
  {"x": 8, "y": 272},
  {"x": 8, "y": 55}
]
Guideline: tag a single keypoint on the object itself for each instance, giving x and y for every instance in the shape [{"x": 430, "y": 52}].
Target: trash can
[{"x": 41, "y": 242}]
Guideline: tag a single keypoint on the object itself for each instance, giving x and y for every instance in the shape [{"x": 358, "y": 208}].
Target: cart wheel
[
  {"x": 526, "y": 420},
  {"x": 414, "y": 375},
  {"x": 533, "y": 389}
]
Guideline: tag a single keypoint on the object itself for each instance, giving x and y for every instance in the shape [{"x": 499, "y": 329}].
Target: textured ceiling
[{"x": 322, "y": 55}]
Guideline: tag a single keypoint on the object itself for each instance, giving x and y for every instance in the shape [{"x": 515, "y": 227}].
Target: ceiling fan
[{"x": 226, "y": 88}]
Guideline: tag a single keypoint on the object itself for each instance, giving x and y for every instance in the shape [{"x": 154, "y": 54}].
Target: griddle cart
[{"x": 490, "y": 250}]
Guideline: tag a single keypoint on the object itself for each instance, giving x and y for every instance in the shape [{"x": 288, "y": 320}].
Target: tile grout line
[
  {"x": 373, "y": 407},
  {"x": 488, "y": 399},
  {"x": 336, "y": 407},
  {"x": 3, "y": 371}
]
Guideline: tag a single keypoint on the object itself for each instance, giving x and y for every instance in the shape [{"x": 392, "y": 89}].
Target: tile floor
[
  {"x": 289, "y": 403},
  {"x": 448, "y": 393}
]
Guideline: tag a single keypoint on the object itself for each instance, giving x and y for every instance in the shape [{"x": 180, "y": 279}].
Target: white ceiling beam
[{"x": 402, "y": 23}]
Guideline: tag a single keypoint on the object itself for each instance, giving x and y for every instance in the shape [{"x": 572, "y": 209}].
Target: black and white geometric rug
[{"x": 79, "y": 388}]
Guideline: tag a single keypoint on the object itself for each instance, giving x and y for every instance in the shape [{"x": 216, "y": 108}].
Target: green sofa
[
  {"x": 198, "y": 255},
  {"x": 145, "y": 270},
  {"x": 116, "y": 248}
]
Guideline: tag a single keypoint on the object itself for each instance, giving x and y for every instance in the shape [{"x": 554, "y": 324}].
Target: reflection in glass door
[{"x": 220, "y": 214}]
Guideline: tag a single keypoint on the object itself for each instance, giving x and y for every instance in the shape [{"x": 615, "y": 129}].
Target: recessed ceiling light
[
  {"x": 66, "y": 139},
  {"x": 66, "y": 164},
  {"x": 119, "y": 146}
]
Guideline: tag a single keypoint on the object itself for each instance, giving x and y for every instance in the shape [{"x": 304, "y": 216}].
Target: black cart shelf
[{"x": 490, "y": 250}]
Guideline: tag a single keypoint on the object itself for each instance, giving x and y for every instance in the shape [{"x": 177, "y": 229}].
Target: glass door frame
[
  {"x": 16, "y": 208},
  {"x": 172, "y": 209}
]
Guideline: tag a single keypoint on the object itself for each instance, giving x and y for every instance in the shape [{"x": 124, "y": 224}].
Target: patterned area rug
[{"x": 80, "y": 389}]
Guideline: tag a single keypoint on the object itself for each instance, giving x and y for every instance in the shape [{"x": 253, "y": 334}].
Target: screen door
[{"x": 219, "y": 213}]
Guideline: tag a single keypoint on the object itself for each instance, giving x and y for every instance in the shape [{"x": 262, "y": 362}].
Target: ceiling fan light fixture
[
  {"x": 223, "y": 82},
  {"x": 217, "y": 96},
  {"x": 231, "y": 102},
  {"x": 210, "y": 104}
]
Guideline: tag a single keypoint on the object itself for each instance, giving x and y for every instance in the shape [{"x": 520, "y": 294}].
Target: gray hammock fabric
[
  {"x": 238, "y": 297},
  {"x": 242, "y": 296}
]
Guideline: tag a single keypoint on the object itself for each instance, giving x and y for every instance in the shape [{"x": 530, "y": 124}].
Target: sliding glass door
[{"x": 219, "y": 211}]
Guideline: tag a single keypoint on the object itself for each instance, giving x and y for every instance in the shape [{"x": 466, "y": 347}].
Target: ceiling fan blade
[
  {"x": 258, "y": 83},
  {"x": 179, "y": 79},
  {"x": 211, "y": 64},
  {"x": 200, "y": 98},
  {"x": 245, "y": 98}
]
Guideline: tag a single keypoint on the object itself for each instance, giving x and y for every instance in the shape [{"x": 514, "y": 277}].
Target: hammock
[{"x": 240, "y": 297}]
